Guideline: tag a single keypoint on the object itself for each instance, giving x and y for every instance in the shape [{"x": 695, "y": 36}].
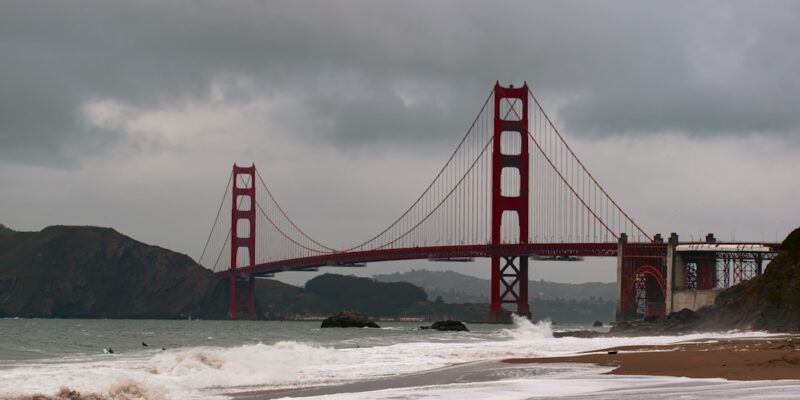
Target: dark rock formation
[
  {"x": 449, "y": 325},
  {"x": 597, "y": 324},
  {"x": 349, "y": 319},
  {"x": 677, "y": 323},
  {"x": 91, "y": 272}
]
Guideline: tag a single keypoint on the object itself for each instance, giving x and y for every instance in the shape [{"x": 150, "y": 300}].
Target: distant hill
[
  {"x": 330, "y": 293},
  {"x": 455, "y": 287},
  {"x": 92, "y": 272}
]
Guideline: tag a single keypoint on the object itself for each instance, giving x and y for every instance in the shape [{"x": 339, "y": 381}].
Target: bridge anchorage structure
[{"x": 512, "y": 191}]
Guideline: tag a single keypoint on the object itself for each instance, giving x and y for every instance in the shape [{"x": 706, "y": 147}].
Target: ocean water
[{"x": 224, "y": 359}]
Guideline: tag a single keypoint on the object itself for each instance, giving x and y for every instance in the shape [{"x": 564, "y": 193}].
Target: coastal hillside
[
  {"x": 768, "y": 302},
  {"x": 92, "y": 272}
]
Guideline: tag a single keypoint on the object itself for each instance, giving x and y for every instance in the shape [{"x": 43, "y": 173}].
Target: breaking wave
[{"x": 215, "y": 372}]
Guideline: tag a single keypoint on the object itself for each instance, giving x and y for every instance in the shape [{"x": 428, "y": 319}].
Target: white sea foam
[
  {"x": 590, "y": 385},
  {"x": 208, "y": 372}
]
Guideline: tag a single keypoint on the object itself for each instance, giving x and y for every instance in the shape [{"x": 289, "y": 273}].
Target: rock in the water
[
  {"x": 597, "y": 324},
  {"x": 449, "y": 325},
  {"x": 349, "y": 319}
]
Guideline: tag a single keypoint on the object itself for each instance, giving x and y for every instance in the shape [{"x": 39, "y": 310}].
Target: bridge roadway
[{"x": 428, "y": 252}]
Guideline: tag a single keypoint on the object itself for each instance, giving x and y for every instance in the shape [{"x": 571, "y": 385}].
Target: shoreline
[
  {"x": 746, "y": 359},
  {"x": 767, "y": 358}
]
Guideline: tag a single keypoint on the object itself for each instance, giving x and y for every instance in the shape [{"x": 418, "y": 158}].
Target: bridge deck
[
  {"x": 462, "y": 251},
  {"x": 422, "y": 253}
]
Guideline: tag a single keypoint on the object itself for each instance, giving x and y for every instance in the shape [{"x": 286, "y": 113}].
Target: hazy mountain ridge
[
  {"x": 455, "y": 287},
  {"x": 330, "y": 293}
]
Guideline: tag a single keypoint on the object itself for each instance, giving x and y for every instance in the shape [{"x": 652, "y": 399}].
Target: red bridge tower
[
  {"x": 241, "y": 290},
  {"x": 509, "y": 271}
]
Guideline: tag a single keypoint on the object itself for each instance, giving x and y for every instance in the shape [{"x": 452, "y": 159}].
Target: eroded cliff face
[{"x": 91, "y": 272}]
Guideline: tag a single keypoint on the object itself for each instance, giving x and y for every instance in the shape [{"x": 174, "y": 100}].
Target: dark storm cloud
[{"x": 713, "y": 68}]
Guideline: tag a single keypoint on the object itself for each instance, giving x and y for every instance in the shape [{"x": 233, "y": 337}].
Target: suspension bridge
[{"x": 512, "y": 190}]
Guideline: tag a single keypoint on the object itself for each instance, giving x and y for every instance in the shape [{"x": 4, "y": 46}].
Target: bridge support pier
[
  {"x": 242, "y": 297},
  {"x": 509, "y": 286},
  {"x": 641, "y": 279}
]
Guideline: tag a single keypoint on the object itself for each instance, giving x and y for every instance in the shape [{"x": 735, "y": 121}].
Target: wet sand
[
  {"x": 482, "y": 371},
  {"x": 768, "y": 358},
  {"x": 734, "y": 359}
]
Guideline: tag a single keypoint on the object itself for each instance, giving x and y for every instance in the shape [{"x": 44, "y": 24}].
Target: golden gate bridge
[{"x": 512, "y": 189}]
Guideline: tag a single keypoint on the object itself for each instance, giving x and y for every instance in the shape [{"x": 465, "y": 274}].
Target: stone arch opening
[{"x": 648, "y": 288}]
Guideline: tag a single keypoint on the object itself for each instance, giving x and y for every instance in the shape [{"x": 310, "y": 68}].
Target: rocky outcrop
[
  {"x": 768, "y": 302},
  {"x": 91, "y": 272},
  {"x": 449, "y": 325},
  {"x": 677, "y": 323},
  {"x": 349, "y": 319}
]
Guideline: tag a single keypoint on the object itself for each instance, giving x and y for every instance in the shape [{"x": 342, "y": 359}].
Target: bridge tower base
[
  {"x": 241, "y": 289},
  {"x": 509, "y": 286},
  {"x": 641, "y": 279},
  {"x": 509, "y": 271}
]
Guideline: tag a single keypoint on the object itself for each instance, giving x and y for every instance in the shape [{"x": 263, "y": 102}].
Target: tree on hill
[{"x": 4, "y": 230}]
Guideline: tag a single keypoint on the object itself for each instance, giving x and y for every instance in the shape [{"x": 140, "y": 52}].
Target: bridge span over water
[{"x": 512, "y": 190}]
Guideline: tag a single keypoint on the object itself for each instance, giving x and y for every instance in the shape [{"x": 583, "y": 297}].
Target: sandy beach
[
  {"x": 745, "y": 359},
  {"x": 768, "y": 358}
]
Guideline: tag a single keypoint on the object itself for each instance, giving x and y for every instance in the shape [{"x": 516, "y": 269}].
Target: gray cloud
[{"x": 715, "y": 68}]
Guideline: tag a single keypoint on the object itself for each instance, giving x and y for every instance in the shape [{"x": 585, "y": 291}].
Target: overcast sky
[{"x": 130, "y": 114}]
